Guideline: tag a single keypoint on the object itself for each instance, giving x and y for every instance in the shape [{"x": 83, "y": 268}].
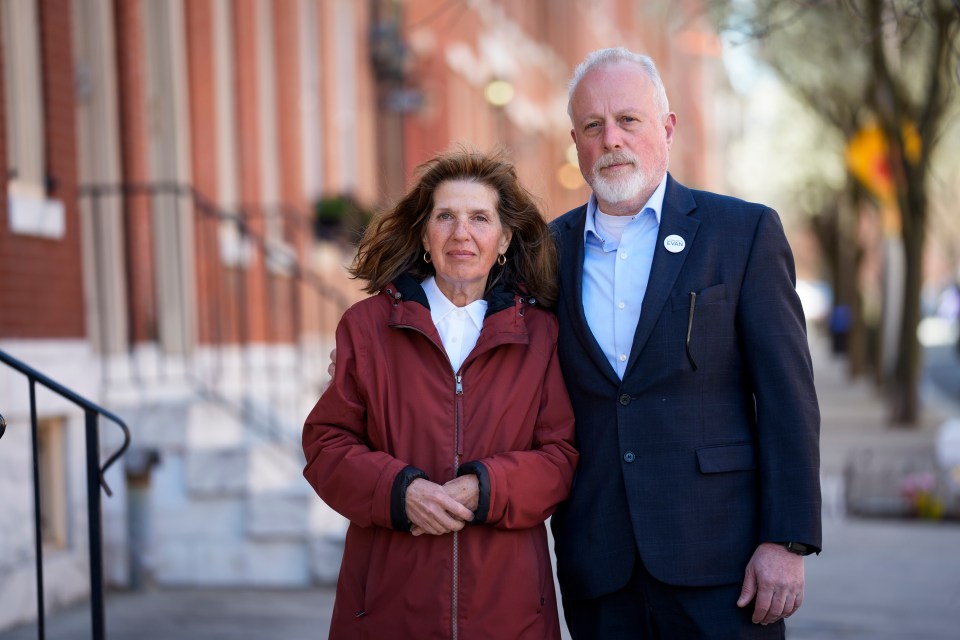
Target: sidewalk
[{"x": 877, "y": 579}]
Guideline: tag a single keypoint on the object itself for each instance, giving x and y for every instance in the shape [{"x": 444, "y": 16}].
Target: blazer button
[
  {"x": 628, "y": 457},
  {"x": 625, "y": 399}
]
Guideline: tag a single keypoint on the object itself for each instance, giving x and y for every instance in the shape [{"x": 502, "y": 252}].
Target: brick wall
[
  {"x": 41, "y": 279},
  {"x": 203, "y": 161},
  {"x": 3, "y": 165}
]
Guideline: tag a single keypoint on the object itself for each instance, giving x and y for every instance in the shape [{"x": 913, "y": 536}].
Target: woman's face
[{"x": 464, "y": 237}]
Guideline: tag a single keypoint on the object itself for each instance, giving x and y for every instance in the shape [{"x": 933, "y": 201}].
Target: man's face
[{"x": 623, "y": 141}]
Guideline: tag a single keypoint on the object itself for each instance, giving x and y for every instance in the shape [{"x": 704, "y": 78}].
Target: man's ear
[{"x": 669, "y": 125}]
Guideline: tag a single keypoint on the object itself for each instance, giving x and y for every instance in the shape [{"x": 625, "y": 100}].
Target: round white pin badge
[{"x": 674, "y": 243}]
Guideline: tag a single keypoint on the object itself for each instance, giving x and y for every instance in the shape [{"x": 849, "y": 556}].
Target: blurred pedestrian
[
  {"x": 446, "y": 436},
  {"x": 683, "y": 345}
]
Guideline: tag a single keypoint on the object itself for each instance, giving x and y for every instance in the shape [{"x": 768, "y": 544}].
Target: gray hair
[{"x": 615, "y": 55}]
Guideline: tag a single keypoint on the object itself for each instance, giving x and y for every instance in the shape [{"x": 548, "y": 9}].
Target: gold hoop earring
[
  {"x": 501, "y": 259},
  {"x": 426, "y": 257}
]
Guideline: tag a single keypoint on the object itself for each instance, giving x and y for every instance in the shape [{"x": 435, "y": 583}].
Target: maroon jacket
[{"x": 396, "y": 411}]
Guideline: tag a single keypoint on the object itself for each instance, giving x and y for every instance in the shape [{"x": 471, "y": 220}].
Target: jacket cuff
[
  {"x": 483, "y": 478},
  {"x": 398, "y": 497}
]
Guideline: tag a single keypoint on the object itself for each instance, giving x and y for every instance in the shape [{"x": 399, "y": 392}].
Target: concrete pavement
[{"x": 877, "y": 579}]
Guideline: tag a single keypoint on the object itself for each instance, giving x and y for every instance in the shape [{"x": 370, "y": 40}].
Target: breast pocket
[
  {"x": 710, "y": 295},
  {"x": 703, "y": 326}
]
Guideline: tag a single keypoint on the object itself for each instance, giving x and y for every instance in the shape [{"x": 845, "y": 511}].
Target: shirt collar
[
  {"x": 441, "y": 306},
  {"x": 655, "y": 202}
]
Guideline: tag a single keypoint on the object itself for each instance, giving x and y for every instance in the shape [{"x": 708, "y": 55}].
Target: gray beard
[{"x": 619, "y": 190}]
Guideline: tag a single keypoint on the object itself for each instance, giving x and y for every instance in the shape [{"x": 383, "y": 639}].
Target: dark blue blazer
[{"x": 705, "y": 448}]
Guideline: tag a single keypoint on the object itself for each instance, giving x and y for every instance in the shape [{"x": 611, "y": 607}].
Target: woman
[{"x": 446, "y": 435}]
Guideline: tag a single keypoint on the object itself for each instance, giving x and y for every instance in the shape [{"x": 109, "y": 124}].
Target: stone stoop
[{"x": 222, "y": 506}]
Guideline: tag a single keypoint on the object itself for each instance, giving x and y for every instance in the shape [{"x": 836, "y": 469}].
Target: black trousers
[{"x": 647, "y": 609}]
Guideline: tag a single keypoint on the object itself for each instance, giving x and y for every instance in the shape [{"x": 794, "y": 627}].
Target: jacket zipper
[
  {"x": 456, "y": 539},
  {"x": 458, "y": 378},
  {"x": 456, "y": 466}
]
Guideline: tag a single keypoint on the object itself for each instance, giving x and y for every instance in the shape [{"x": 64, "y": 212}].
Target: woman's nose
[{"x": 461, "y": 229}]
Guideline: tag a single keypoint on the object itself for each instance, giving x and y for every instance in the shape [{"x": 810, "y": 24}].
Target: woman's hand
[
  {"x": 431, "y": 509},
  {"x": 465, "y": 490}
]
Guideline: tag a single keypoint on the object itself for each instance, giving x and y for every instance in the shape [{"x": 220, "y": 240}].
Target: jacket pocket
[
  {"x": 714, "y": 293},
  {"x": 729, "y": 457}
]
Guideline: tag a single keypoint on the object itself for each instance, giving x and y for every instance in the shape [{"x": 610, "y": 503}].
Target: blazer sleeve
[
  {"x": 777, "y": 356},
  {"x": 366, "y": 486},
  {"x": 521, "y": 489}
]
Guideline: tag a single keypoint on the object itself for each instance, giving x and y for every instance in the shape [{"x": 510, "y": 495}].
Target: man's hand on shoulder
[
  {"x": 774, "y": 581},
  {"x": 331, "y": 369}
]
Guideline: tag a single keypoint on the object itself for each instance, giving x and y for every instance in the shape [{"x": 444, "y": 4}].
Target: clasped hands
[{"x": 440, "y": 509}]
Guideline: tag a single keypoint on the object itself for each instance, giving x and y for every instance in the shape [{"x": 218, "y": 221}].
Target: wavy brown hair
[{"x": 392, "y": 244}]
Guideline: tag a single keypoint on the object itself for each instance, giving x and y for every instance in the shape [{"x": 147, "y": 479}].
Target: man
[{"x": 683, "y": 346}]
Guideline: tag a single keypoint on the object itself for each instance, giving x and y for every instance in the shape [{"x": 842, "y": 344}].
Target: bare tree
[{"x": 892, "y": 63}]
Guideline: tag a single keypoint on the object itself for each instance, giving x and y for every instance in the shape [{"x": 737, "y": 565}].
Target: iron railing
[
  {"x": 269, "y": 241},
  {"x": 95, "y": 480}
]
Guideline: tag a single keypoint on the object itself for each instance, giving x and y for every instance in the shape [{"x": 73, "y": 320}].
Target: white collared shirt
[
  {"x": 617, "y": 257},
  {"x": 459, "y": 327}
]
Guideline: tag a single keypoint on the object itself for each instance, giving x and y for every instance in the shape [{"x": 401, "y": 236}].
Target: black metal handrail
[
  {"x": 95, "y": 480},
  {"x": 230, "y": 325}
]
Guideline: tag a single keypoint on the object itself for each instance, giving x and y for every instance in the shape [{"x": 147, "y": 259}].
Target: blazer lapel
[
  {"x": 678, "y": 203},
  {"x": 571, "y": 287}
]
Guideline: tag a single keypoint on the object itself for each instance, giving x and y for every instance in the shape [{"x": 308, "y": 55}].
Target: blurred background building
[{"x": 184, "y": 179}]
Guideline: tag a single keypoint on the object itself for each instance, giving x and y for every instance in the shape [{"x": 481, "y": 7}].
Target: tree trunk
[{"x": 905, "y": 390}]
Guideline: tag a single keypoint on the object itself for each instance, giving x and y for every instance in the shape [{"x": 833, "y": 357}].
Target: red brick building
[{"x": 157, "y": 244}]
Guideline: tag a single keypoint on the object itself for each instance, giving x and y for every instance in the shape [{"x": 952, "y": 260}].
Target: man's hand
[
  {"x": 774, "y": 578},
  {"x": 331, "y": 369},
  {"x": 432, "y": 510}
]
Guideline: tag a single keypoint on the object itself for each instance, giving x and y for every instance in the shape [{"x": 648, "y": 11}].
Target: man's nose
[{"x": 612, "y": 139}]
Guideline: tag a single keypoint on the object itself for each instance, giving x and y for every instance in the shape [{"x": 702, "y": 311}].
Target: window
[
  {"x": 53, "y": 486},
  {"x": 29, "y": 210}
]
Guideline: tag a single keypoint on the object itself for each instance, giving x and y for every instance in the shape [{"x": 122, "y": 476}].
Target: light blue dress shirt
[{"x": 615, "y": 274}]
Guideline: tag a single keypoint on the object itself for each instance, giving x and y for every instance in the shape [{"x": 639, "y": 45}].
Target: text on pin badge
[{"x": 674, "y": 243}]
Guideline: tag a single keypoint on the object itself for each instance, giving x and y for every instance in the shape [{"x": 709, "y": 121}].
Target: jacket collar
[
  {"x": 675, "y": 219},
  {"x": 678, "y": 204},
  {"x": 409, "y": 289},
  {"x": 503, "y": 323}
]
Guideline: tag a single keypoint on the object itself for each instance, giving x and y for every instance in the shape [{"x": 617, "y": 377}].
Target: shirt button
[
  {"x": 621, "y": 305},
  {"x": 629, "y": 457},
  {"x": 625, "y": 399},
  {"x": 623, "y": 357},
  {"x": 623, "y": 256}
]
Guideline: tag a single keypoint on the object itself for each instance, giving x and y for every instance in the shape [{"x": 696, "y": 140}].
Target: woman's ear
[{"x": 505, "y": 238}]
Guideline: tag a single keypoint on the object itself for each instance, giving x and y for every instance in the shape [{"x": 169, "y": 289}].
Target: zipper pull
[{"x": 459, "y": 385}]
